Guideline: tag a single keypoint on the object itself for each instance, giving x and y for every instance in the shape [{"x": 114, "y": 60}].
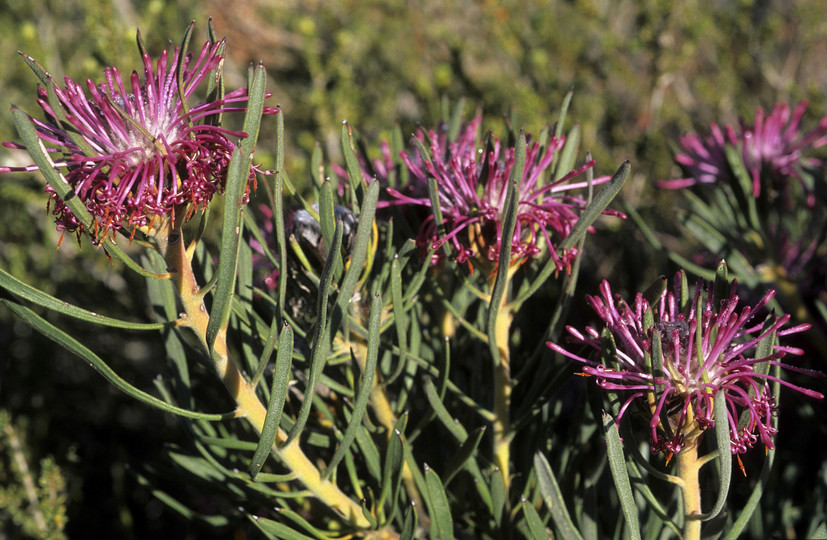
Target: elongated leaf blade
[
  {"x": 465, "y": 452},
  {"x": 535, "y": 525},
  {"x": 354, "y": 170},
  {"x": 276, "y": 530},
  {"x": 278, "y": 395},
  {"x": 320, "y": 332},
  {"x": 441, "y": 518},
  {"x": 554, "y": 498},
  {"x": 361, "y": 403},
  {"x": 237, "y": 177},
  {"x": 596, "y": 207},
  {"x": 409, "y": 524},
  {"x": 72, "y": 345},
  {"x": 617, "y": 464},
  {"x": 722, "y": 438},
  {"x": 512, "y": 201},
  {"x": 36, "y": 296}
]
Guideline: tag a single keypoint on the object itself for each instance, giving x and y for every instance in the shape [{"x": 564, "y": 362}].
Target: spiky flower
[
  {"x": 133, "y": 150},
  {"x": 472, "y": 179},
  {"x": 673, "y": 360},
  {"x": 774, "y": 145}
]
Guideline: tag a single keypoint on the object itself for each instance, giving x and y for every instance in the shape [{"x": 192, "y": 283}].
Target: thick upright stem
[
  {"x": 503, "y": 386},
  {"x": 688, "y": 469},
  {"x": 171, "y": 245}
]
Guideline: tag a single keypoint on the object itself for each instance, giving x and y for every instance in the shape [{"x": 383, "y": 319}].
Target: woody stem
[{"x": 170, "y": 244}]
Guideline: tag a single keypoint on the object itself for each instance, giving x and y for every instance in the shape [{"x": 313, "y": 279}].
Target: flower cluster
[
  {"x": 674, "y": 361},
  {"x": 775, "y": 145},
  {"x": 134, "y": 150},
  {"x": 472, "y": 180}
]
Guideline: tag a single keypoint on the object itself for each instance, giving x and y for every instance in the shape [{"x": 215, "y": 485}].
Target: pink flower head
[
  {"x": 136, "y": 150},
  {"x": 705, "y": 348},
  {"x": 472, "y": 182},
  {"x": 775, "y": 145}
]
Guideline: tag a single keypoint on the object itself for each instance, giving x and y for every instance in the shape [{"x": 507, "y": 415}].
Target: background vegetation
[{"x": 643, "y": 72}]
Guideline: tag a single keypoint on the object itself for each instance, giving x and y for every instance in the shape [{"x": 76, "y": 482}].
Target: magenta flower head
[
  {"x": 135, "y": 150},
  {"x": 673, "y": 359},
  {"x": 472, "y": 177},
  {"x": 774, "y": 145}
]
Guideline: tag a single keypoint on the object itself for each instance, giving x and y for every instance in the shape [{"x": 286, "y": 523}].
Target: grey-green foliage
[{"x": 643, "y": 71}]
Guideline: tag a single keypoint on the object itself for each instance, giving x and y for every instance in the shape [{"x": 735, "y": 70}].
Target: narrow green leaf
[
  {"x": 278, "y": 395},
  {"x": 276, "y": 530},
  {"x": 198, "y": 466},
  {"x": 498, "y": 496},
  {"x": 362, "y": 398},
  {"x": 370, "y": 453},
  {"x": 531, "y": 518},
  {"x": 392, "y": 470},
  {"x": 465, "y": 452},
  {"x": 765, "y": 348},
  {"x": 36, "y": 296},
  {"x": 321, "y": 329},
  {"x": 399, "y": 318},
  {"x": 400, "y": 174},
  {"x": 455, "y": 428},
  {"x": 655, "y": 359},
  {"x": 182, "y": 58},
  {"x": 721, "y": 285},
  {"x": 267, "y": 351},
  {"x": 409, "y": 524},
  {"x": 578, "y": 232},
  {"x": 512, "y": 201},
  {"x": 565, "y": 162},
  {"x": 278, "y": 210},
  {"x": 441, "y": 520},
  {"x": 455, "y": 122},
  {"x": 561, "y": 120},
  {"x": 236, "y": 186},
  {"x": 358, "y": 256},
  {"x": 755, "y": 497},
  {"x": 617, "y": 464},
  {"x": 230, "y": 240},
  {"x": 374, "y": 524},
  {"x": 75, "y": 347},
  {"x": 656, "y": 505},
  {"x": 433, "y": 195},
  {"x": 554, "y": 498},
  {"x": 354, "y": 170},
  {"x": 596, "y": 207},
  {"x": 233, "y": 444},
  {"x": 684, "y": 298},
  {"x": 274, "y": 478},
  {"x": 316, "y": 165},
  {"x": 41, "y": 73},
  {"x": 745, "y": 195},
  {"x": 724, "y": 443},
  {"x": 327, "y": 220},
  {"x": 608, "y": 349}
]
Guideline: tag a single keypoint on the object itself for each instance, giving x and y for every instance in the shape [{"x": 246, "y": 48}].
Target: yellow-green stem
[
  {"x": 171, "y": 245},
  {"x": 688, "y": 469},
  {"x": 502, "y": 393}
]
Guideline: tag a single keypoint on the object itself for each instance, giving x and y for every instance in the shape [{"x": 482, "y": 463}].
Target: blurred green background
[{"x": 643, "y": 73}]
